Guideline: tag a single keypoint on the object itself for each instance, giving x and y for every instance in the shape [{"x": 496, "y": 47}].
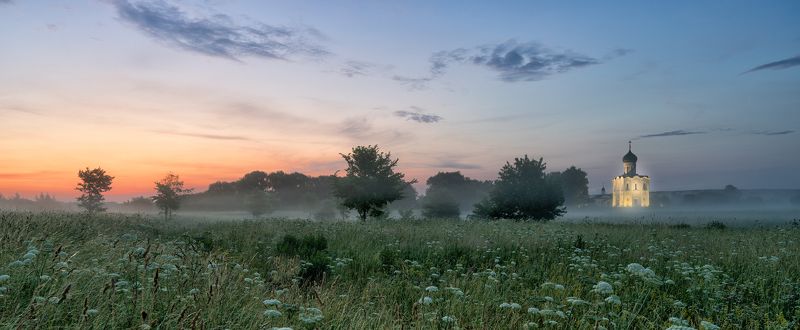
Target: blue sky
[{"x": 709, "y": 92}]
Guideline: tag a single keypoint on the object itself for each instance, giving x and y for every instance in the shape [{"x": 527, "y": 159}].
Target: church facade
[{"x": 630, "y": 189}]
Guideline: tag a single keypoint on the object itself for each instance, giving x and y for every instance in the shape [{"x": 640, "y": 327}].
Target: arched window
[
  {"x": 627, "y": 186},
  {"x": 645, "y": 186},
  {"x": 635, "y": 186}
]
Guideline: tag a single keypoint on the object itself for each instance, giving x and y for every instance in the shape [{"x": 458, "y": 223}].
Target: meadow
[{"x": 113, "y": 271}]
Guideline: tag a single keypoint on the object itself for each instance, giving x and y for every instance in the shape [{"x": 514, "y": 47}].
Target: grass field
[{"x": 126, "y": 271}]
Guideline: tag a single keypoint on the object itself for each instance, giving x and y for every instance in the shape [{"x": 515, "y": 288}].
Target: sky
[{"x": 708, "y": 92}]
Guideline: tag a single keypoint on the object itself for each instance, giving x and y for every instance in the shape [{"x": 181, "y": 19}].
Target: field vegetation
[{"x": 111, "y": 271}]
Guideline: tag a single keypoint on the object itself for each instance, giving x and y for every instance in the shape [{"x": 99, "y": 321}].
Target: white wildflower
[
  {"x": 551, "y": 285},
  {"x": 4, "y": 278},
  {"x": 92, "y": 312},
  {"x": 271, "y": 302},
  {"x": 272, "y": 313},
  {"x": 705, "y": 325},
  {"x": 510, "y": 305},
  {"x": 533, "y": 310},
  {"x": 613, "y": 299},
  {"x": 603, "y": 288},
  {"x": 432, "y": 289},
  {"x": 448, "y": 319},
  {"x": 425, "y": 300},
  {"x": 576, "y": 301},
  {"x": 310, "y": 315}
]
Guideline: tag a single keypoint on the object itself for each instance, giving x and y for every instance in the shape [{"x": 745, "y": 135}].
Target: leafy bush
[
  {"x": 680, "y": 226},
  {"x": 315, "y": 269},
  {"x": 309, "y": 245},
  {"x": 440, "y": 205},
  {"x": 716, "y": 225}
]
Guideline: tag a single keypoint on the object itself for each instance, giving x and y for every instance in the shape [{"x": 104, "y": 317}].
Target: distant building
[{"x": 630, "y": 189}]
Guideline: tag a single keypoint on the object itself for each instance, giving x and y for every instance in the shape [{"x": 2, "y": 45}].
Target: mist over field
[{"x": 280, "y": 165}]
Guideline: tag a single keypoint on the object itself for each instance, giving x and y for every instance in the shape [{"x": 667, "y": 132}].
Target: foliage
[
  {"x": 69, "y": 270},
  {"x": 259, "y": 202},
  {"x": 574, "y": 184},
  {"x": 371, "y": 182},
  {"x": 169, "y": 192},
  {"x": 305, "y": 247},
  {"x": 439, "y": 204},
  {"x": 464, "y": 190},
  {"x": 93, "y": 184},
  {"x": 522, "y": 193},
  {"x": 719, "y": 225}
]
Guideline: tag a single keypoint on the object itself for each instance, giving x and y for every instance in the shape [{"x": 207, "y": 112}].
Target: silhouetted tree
[
  {"x": 253, "y": 181},
  {"x": 732, "y": 194},
  {"x": 575, "y": 186},
  {"x": 93, "y": 184},
  {"x": 522, "y": 193},
  {"x": 371, "y": 182},
  {"x": 169, "y": 191},
  {"x": 465, "y": 191},
  {"x": 259, "y": 202},
  {"x": 139, "y": 203},
  {"x": 440, "y": 204}
]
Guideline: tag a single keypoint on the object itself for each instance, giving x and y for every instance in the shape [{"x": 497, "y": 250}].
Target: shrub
[
  {"x": 716, "y": 225},
  {"x": 681, "y": 226},
  {"x": 315, "y": 269},
  {"x": 440, "y": 205},
  {"x": 309, "y": 245}
]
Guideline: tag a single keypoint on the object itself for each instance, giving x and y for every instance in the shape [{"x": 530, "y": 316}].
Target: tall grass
[{"x": 117, "y": 271}]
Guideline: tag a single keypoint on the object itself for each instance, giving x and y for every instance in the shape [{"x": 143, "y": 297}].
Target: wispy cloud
[
  {"x": 413, "y": 83},
  {"x": 516, "y": 61},
  {"x": 356, "y": 127},
  {"x": 205, "y": 136},
  {"x": 671, "y": 133},
  {"x": 5, "y": 2},
  {"x": 218, "y": 34},
  {"x": 418, "y": 116},
  {"x": 777, "y": 65},
  {"x": 770, "y": 133},
  {"x": 512, "y": 60}
]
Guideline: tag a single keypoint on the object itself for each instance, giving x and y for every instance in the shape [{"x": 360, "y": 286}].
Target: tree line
[{"x": 371, "y": 187}]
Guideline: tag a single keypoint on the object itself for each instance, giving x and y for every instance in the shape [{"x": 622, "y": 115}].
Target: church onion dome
[{"x": 629, "y": 157}]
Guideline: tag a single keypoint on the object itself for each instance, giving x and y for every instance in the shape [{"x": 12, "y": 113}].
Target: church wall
[{"x": 631, "y": 191}]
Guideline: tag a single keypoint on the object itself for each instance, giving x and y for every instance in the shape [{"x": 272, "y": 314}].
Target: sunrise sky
[{"x": 709, "y": 93}]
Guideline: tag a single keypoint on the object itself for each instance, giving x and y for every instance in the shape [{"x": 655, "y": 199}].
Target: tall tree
[
  {"x": 440, "y": 204},
  {"x": 575, "y": 185},
  {"x": 169, "y": 191},
  {"x": 465, "y": 191},
  {"x": 371, "y": 182},
  {"x": 522, "y": 193},
  {"x": 93, "y": 184}
]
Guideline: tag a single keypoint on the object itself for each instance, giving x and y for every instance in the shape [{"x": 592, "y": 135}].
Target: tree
[
  {"x": 138, "y": 204},
  {"x": 465, "y": 191},
  {"x": 522, "y": 193},
  {"x": 259, "y": 202},
  {"x": 169, "y": 191},
  {"x": 93, "y": 184},
  {"x": 440, "y": 204},
  {"x": 575, "y": 185},
  {"x": 371, "y": 182}
]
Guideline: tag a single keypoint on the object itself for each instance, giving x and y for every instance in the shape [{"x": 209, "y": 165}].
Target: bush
[
  {"x": 440, "y": 205},
  {"x": 315, "y": 269},
  {"x": 681, "y": 226},
  {"x": 716, "y": 225},
  {"x": 522, "y": 193},
  {"x": 308, "y": 246}
]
